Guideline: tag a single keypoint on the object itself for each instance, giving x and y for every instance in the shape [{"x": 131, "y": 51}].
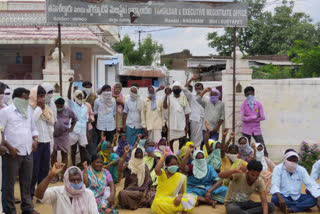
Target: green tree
[
  {"x": 142, "y": 55},
  {"x": 267, "y": 33},
  {"x": 307, "y": 55}
]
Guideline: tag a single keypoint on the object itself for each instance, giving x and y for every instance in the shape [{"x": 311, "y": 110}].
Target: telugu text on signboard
[{"x": 180, "y": 14}]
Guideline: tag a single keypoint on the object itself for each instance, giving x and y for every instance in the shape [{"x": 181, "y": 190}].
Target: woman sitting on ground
[
  {"x": 247, "y": 153},
  {"x": 137, "y": 180},
  {"x": 229, "y": 156},
  {"x": 171, "y": 196},
  {"x": 267, "y": 164},
  {"x": 203, "y": 180},
  {"x": 99, "y": 181},
  {"x": 110, "y": 159}
]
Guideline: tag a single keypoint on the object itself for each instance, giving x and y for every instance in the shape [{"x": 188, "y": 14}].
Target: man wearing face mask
[
  {"x": 105, "y": 110},
  {"x": 3, "y": 102},
  {"x": 79, "y": 133},
  {"x": 91, "y": 96},
  {"x": 197, "y": 111},
  {"x": 286, "y": 186},
  {"x": 213, "y": 112},
  {"x": 132, "y": 116},
  {"x": 21, "y": 139},
  {"x": 73, "y": 197},
  {"x": 251, "y": 115},
  {"x": 179, "y": 114},
  {"x": 7, "y": 95}
]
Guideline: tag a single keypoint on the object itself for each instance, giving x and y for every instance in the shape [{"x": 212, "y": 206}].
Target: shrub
[{"x": 309, "y": 154}]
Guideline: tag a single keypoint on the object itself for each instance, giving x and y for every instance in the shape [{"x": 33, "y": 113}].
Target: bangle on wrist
[{"x": 162, "y": 159}]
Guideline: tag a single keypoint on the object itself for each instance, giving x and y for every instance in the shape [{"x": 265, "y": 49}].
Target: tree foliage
[
  {"x": 307, "y": 55},
  {"x": 272, "y": 72},
  {"x": 267, "y": 33},
  {"x": 143, "y": 55}
]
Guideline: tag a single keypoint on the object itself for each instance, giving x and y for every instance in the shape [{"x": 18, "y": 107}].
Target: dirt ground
[{"x": 47, "y": 209}]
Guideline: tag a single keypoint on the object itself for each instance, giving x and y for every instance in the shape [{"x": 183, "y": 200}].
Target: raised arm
[
  {"x": 206, "y": 138},
  {"x": 42, "y": 187},
  {"x": 85, "y": 174},
  {"x": 194, "y": 77},
  {"x": 224, "y": 148},
  {"x": 160, "y": 163},
  {"x": 165, "y": 101},
  {"x": 183, "y": 166},
  {"x": 70, "y": 87},
  {"x": 121, "y": 165},
  {"x": 228, "y": 173}
]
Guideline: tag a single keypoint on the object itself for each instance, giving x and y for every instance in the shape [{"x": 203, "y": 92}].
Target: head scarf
[
  {"x": 106, "y": 154},
  {"x": 260, "y": 156},
  {"x": 214, "y": 158},
  {"x": 182, "y": 99},
  {"x": 285, "y": 156},
  {"x": 176, "y": 83},
  {"x": 48, "y": 87},
  {"x": 217, "y": 91},
  {"x": 137, "y": 167},
  {"x": 121, "y": 145},
  {"x": 107, "y": 101},
  {"x": 153, "y": 99},
  {"x": 167, "y": 147},
  {"x": 290, "y": 166},
  {"x": 76, "y": 93},
  {"x": 200, "y": 168},
  {"x": 119, "y": 107},
  {"x": 184, "y": 149},
  {"x": 245, "y": 149},
  {"x": 78, "y": 196},
  {"x": 47, "y": 113},
  {"x": 135, "y": 98}
]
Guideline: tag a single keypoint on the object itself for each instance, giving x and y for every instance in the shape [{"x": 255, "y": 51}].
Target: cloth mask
[
  {"x": 214, "y": 99},
  {"x": 177, "y": 91},
  {"x": 79, "y": 101},
  {"x": 173, "y": 169},
  {"x": 232, "y": 157},
  {"x": 48, "y": 98},
  {"x": 2, "y": 100},
  {"x": 290, "y": 166},
  {"x": 22, "y": 106},
  {"x": 6, "y": 98},
  {"x": 150, "y": 149},
  {"x": 250, "y": 99},
  {"x": 77, "y": 186},
  {"x": 162, "y": 148},
  {"x": 60, "y": 109},
  {"x": 88, "y": 91}
]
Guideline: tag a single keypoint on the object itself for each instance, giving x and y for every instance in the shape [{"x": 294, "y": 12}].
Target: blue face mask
[
  {"x": 173, "y": 169},
  {"x": 150, "y": 149},
  {"x": 76, "y": 186}
]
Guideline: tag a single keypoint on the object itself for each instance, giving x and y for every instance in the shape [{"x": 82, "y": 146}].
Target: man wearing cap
[
  {"x": 179, "y": 111},
  {"x": 213, "y": 111},
  {"x": 286, "y": 186}
]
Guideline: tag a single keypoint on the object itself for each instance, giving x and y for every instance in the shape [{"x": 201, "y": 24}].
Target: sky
[{"x": 194, "y": 39}]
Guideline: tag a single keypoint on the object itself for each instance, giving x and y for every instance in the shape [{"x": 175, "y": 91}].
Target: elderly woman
[
  {"x": 132, "y": 116},
  {"x": 171, "y": 196},
  {"x": 73, "y": 197},
  {"x": 99, "y": 180},
  {"x": 137, "y": 180},
  {"x": 203, "y": 180}
]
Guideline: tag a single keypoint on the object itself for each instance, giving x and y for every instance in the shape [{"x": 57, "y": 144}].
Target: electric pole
[{"x": 140, "y": 31}]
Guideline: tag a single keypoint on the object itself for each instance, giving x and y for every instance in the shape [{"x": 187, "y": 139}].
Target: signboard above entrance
[{"x": 151, "y": 13}]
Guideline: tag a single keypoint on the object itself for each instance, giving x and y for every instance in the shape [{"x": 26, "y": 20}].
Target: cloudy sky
[{"x": 194, "y": 39}]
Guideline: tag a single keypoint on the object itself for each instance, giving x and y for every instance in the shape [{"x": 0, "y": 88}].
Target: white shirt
[
  {"x": 197, "y": 110},
  {"x": 61, "y": 203},
  {"x": 133, "y": 111},
  {"x": 178, "y": 113},
  {"x": 44, "y": 127},
  {"x": 18, "y": 131}
]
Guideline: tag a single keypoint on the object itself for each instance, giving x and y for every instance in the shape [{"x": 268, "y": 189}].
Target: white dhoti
[
  {"x": 155, "y": 135},
  {"x": 176, "y": 134},
  {"x": 196, "y": 131}
]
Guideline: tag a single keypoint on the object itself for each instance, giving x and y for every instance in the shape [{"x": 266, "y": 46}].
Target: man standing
[
  {"x": 251, "y": 114},
  {"x": 132, "y": 116},
  {"x": 44, "y": 121},
  {"x": 91, "y": 96},
  {"x": 79, "y": 134},
  {"x": 213, "y": 111},
  {"x": 152, "y": 115},
  {"x": 179, "y": 111},
  {"x": 197, "y": 112},
  {"x": 20, "y": 137},
  {"x": 287, "y": 179}
]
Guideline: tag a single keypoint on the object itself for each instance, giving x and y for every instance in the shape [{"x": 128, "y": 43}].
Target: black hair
[
  {"x": 254, "y": 165},
  {"x": 150, "y": 86},
  {"x": 233, "y": 146},
  {"x": 105, "y": 87},
  {"x": 19, "y": 91},
  {"x": 96, "y": 157},
  {"x": 138, "y": 151},
  {"x": 41, "y": 90},
  {"x": 198, "y": 84},
  {"x": 84, "y": 94},
  {"x": 169, "y": 158},
  {"x": 60, "y": 101},
  {"x": 7, "y": 87},
  {"x": 135, "y": 85},
  {"x": 184, "y": 142},
  {"x": 3, "y": 86},
  {"x": 190, "y": 86},
  {"x": 247, "y": 89},
  {"x": 86, "y": 83},
  {"x": 242, "y": 138},
  {"x": 289, "y": 150},
  {"x": 162, "y": 139}
]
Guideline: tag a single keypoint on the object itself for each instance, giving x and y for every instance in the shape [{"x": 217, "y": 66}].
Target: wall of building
[
  {"x": 292, "y": 114},
  {"x": 82, "y": 67}
]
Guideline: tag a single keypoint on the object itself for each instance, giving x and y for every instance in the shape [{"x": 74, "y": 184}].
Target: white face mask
[
  {"x": 88, "y": 91},
  {"x": 232, "y": 157},
  {"x": 290, "y": 166},
  {"x": 79, "y": 101},
  {"x": 48, "y": 98},
  {"x": 6, "y": 98},
  {"x": 1, "y": 99},
  {"x": 162, "y": 148}
]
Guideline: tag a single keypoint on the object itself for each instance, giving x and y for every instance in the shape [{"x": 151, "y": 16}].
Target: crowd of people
[{"x": 128, "y": 137}]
